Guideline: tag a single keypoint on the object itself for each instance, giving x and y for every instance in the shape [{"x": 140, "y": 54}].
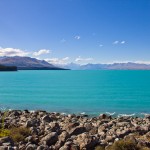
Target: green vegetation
[
  {"x": 17, "y": 134},
  {"x": 4, "y": 132}
]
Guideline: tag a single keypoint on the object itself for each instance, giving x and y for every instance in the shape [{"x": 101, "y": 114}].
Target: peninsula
[{"x": 8, "y": 68}]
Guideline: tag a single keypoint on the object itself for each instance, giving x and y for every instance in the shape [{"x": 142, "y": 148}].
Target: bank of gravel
[{"x": 55, "y": 131}]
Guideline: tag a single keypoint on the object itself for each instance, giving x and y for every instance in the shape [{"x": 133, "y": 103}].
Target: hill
[{"x": 27, "y": 63}]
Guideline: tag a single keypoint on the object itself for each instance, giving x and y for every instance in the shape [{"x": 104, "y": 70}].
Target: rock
[
  {"x": 54, "y": 131},
  {"x": 3, "y": 148},
  {"x": 34, "y": 131},
  {"x": 25, "y": 111},
  {"x": 123, "y": 133},
  {"x": 32, "y": 123},
  {"x": 15, "y": 113},
  {"x": 74, "y": 147},
  {"x": 104, "y": 116},
  {"x": 122, "y": 124},
  {"x": 7, "y": 140},
  {"x": 59, "y": 144},
  {"x": 147, "y": 117},
  {"x": 54, "y": 127},
  {"x": 93, "y": 131},
  {"x": 88, "y": 126},
  {"x": 46, "y": 118},
  {"x": 7, "y": 144},
  {"x": 31, "y": 147},
  {"x": 50, "y": 139},
  {"x": 42, "y": 147},
  {"x": 64, "y": 148},
  {"x": 130, "y": 138},
  {"x": 86, "y": 141},
  {"x": 77, "y": 130},
  {"x": 73, "y": 125},
  {"x": 63, "y": 136},
  {"x": 110, "y": 139}
]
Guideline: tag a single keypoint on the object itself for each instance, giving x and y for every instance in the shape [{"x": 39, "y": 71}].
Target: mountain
[
  {"x": 8, "y": 68},
  {"x": 128, "y": 66},
  {"x": 27, "y": 63},
  {"x": 114, "y": 66}
]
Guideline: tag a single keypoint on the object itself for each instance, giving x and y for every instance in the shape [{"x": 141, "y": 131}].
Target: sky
[{"x": 79, "y": 31}]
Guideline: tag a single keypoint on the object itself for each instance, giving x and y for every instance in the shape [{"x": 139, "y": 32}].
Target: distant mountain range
[
  {"x": 27, "y": 63},
  {"x": 114, "y": 66}
]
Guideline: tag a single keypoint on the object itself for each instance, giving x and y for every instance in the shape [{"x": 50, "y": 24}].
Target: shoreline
[
  {"x": 89, "y": 114},
  {"x": 55, "y": 131}
]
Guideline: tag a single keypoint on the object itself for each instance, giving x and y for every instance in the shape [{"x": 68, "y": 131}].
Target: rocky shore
[{"x": 55, "y": 131}]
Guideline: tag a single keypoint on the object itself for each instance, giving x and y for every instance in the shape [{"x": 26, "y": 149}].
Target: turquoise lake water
[{"x": 92, "y": 92}]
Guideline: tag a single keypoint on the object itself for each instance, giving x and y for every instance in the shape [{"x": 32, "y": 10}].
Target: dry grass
[
  {"x": 99, "y": 148},
  {"x": 124, "y": 145},
  {"x": 17, "y": 134}
]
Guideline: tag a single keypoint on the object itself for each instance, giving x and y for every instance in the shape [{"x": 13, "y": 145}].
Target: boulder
[
  {"x": 7, "y": 140},
  {"x": 77, "y": 130},
  {"x": 50, "y": 139},
  {"x": 46, "y": 118},
  {"x": 85, "y": 141}
]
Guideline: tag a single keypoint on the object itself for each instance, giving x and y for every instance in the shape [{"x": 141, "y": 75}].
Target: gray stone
[
  {"x": 46, "y": 118},
  {"x": 77, "y": 130},
  {"x": 50, "y": 139},
  {"x": 7, "y": 140}
]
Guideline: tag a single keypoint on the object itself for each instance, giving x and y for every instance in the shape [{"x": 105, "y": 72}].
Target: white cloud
[
  {"x": 12, "y": 52},
  {"x": 143, "y": 62},
  {"x": 100, "y": 45},
  {"x": 65, "y": 58},
  {"x": 77, "y": 37},
  {"x": 122, "y": 42},
  {"x": 80, "y": 59},
  {"x": 57, "y": 60},
  {"x": 41, "y": 52},
  {"x": 116, "y": 42}
]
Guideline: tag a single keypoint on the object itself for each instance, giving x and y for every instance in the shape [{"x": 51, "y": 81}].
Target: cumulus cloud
[
  {"x": 80, "y": 59},
  {"x": 65, "y": 58},
  {"x": 77, "y": 37},
  {"x": 143, "y": 62},
  {"x": 41, "y": 52},
  {"x": 57, "y": 60},
  {"x": 12, "y": 52},
  {"x": 122, "y": 42},
  {"x": 116, "y": 42}
]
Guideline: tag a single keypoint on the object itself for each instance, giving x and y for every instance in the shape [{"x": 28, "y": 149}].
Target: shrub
[
  {"x": 124, "y": 145},
  {"x": 4, "y": 132},
  {"x": 100, "y": 148},
  {"x": 19, "y": 134}
]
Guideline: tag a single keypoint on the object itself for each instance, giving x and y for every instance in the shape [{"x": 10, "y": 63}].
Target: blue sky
[{"x": 81, "y": 31}]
